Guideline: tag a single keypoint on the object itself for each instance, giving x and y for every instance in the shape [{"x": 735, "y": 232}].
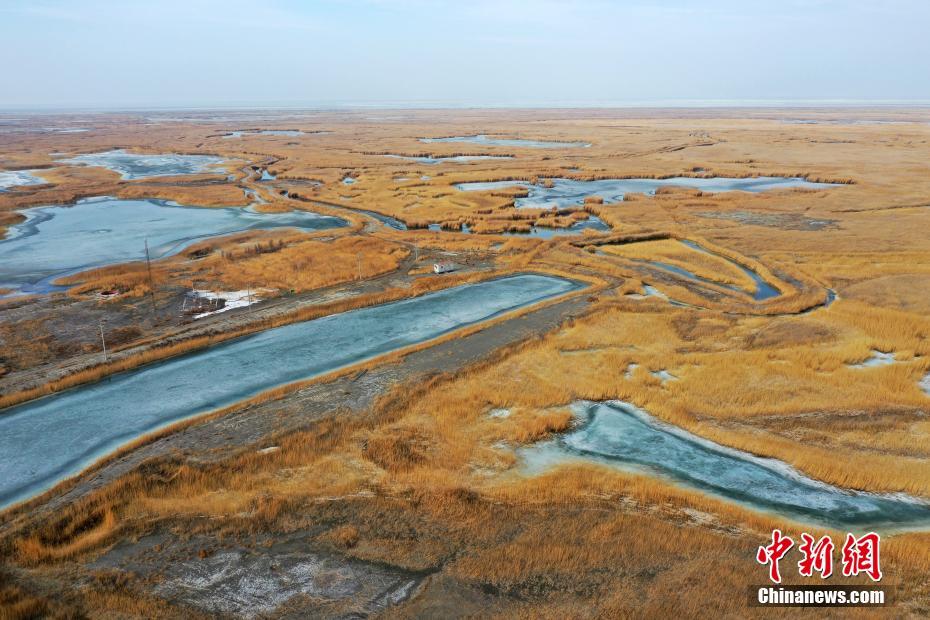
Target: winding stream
[
  {"x": 621, "y": 435},
  {"x": 46, "y": 440},
  {"x": 762, "y": 291}
]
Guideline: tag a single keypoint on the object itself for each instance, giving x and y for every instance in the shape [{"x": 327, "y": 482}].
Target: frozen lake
[
  {"x": 136, "y": 166},
  {"x": 531, "y": 144},
  {"x": 46, "y": 440},
  {"x": 622, "y": 435},
  {"x": 55, "y": 241},
  {"x": 568, "y": 192}
]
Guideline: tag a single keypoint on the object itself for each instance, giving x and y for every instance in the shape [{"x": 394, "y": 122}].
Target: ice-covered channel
[
  {"x": 762, "y": 291},
  {"x": 49, "y": 439},
  {"x": 621, "y": 435}
]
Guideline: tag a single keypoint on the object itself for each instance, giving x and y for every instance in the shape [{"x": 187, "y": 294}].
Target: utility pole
[
  {"x": 148, "y": 263},
  {"x": 359, "y": 258},
  {"x": 103, "y": 341},
  {"x": 416, "y": 252}
]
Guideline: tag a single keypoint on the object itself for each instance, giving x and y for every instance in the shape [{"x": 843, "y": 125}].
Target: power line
[
  {"x": 103, "y": 342},
  {"x": 148, "y": 262}
]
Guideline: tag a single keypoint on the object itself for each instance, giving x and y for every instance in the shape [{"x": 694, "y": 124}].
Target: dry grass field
[{"x": 427, "y": 481}]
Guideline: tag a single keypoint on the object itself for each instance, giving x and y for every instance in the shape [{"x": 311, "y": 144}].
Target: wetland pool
[
  {"x": 137, "y": 166},
  {"x": 46, "y": 440},
  {"x": 58, "y": 240},
  {"x": 569, "y": 192}
]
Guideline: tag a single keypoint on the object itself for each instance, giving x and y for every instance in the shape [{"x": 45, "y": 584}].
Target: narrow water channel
[
  {"x": 621, "y": 435},
  {"x": 761, "y": 290}
]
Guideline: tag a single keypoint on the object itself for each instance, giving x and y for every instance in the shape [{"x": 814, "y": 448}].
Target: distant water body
[
  {"x": 136, "y": 166},
  {"x": 518, "y": 142},
  {"x": 568, "y": 192}
]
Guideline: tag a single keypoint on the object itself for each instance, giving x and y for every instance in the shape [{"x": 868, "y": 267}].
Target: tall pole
[
  {"x": 359, "y": 259},
  {"x": 103, "y": 341},
  {"x": 148, "y": 263}
]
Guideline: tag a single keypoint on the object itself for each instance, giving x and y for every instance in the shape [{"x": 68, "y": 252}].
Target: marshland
[{"x": 663, "y": 333}]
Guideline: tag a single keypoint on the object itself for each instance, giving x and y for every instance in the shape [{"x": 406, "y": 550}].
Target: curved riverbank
[{"x": 622, "y": 435}]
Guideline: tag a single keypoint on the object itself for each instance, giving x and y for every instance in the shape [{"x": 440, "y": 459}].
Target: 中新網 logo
[{"x": 859, "y": 555}]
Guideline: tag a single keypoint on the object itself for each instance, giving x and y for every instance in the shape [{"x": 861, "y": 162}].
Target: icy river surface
[
  {"x": 620, "y": 435},
  {"x": 47, "y": 440}
]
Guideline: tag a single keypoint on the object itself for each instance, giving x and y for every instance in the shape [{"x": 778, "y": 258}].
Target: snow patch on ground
[
  {"x": 648, "y": 291},
  {"x": 234, "y": 299},
  {"x": 878, "y": 358},
  {"x": 247, "y": 585},
  {"x": 664, "y": 375},
  {"x": 499, "y": 412}
]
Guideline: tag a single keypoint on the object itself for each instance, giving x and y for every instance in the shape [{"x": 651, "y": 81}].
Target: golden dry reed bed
[{"x": 427, "y": 480}]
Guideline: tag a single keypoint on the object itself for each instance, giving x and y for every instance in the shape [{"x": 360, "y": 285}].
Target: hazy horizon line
[{"x": 447, "y": 105}]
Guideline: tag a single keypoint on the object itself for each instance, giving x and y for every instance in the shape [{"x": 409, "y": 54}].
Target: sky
[{"x": 116, "y": 54}]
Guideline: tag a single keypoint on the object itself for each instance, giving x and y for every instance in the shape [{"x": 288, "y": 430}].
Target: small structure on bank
[{"x": 444, "y": 266}]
